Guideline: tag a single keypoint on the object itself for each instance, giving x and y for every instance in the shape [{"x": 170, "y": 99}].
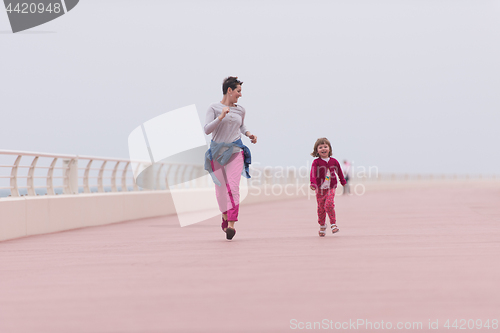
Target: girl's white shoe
[
  {"x": 322, "y": 230},
  {"x": 334, "y": 228}
]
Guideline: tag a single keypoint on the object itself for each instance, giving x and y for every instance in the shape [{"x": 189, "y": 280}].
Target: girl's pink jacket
[{"x": 318, "y": 172}]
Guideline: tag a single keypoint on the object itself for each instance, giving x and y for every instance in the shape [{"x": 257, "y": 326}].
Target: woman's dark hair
[
  {"x": 230, "y": 82},
  {"x": 321, "y": 141}
]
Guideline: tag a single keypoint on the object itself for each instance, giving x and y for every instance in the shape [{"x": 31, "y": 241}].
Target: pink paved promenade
[{"x": 401, "y": 256}]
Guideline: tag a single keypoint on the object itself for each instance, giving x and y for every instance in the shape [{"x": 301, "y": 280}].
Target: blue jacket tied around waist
[{"x": 225, "y": 156}]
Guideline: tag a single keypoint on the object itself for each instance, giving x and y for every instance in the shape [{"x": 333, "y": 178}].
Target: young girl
[{"x": 324, "y": 182}]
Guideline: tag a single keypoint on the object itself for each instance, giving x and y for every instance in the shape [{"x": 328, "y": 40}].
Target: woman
[{"x": 227, "y": 157}]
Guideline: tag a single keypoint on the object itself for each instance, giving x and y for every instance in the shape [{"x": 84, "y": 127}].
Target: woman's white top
[{"x": 230, "y": 128}]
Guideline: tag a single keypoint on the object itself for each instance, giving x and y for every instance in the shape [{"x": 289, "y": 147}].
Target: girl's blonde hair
[{"x": 321, "y": 141}]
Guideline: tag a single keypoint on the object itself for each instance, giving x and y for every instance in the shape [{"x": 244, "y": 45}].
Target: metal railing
[{"x": 31, "y": 174}]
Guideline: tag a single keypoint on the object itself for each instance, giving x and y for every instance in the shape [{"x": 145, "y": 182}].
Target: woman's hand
[
  {"x": 225, "y": 111},
  {"x": 253, "y": 138}
]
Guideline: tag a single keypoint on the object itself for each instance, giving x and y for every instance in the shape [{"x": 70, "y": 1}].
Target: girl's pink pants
[
  {"x": 326, "y": 205},
  {"x": 228, "y": 194}
]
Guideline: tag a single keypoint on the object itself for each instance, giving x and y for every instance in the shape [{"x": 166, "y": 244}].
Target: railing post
[
  {"x": 70, "y": 176},
  {"x": 136, "y": 171},
  {"x": 50, "y": 179},
  {"x": 194, "y": 180},
  {"x": 73, "y": 176},
  {"x": 31, "y": 178},
  {"x": 158, "y": 173},
  {"x": 124, "y": 178},
  {"x": 289, "y": 178},
  {"x": 175, "y": 177},
  {"x": 14, "y": 191},
  {"x": 169, "y": 168},
  {"x": 267, "y": 176},
  {"x": 183, "y": 175},
  {"x": 113, "y": 178},
  {"x": 86, "y": 186},
  {"x": 100, "y": 185}
]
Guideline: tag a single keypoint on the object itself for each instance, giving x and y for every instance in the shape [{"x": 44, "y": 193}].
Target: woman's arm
[
  {"x": 252, "y": 137},
  {"x": 243, "y": 129},
  {"x": 211, "y": 121}
]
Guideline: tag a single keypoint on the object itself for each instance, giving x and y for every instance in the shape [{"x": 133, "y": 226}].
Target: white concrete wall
[{"x": 26, "y": 216}]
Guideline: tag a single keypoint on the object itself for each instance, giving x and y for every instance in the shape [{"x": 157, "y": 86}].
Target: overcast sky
[{"x": 407, "y": 86}]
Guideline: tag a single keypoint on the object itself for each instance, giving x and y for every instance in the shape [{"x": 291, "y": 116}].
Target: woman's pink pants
[{"x": 228, "y": 194}]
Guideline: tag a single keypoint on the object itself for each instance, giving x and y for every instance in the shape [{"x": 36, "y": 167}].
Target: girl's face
[{"x": 323, "y": 150}]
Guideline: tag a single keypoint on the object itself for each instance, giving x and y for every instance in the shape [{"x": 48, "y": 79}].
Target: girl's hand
[
  {"x": 313, "y": 187},
  {"x": 225, "y": 111},
  {"x": 253, "y": 138}
]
